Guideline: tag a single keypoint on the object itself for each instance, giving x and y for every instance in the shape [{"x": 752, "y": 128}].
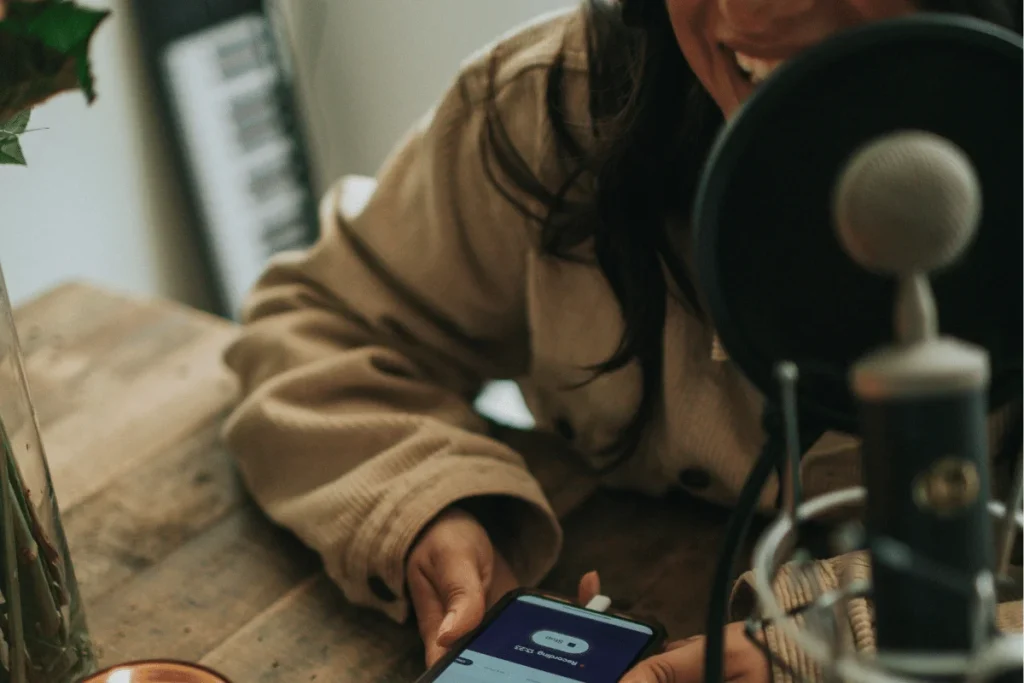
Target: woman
[{"x": 533, "y": 228}]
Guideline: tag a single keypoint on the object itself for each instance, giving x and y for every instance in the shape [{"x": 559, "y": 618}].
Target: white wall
[
  {"x": 97, "y": 200},
  {"x": 370, "y": 68}
]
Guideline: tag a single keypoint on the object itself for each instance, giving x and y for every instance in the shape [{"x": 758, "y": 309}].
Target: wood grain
[
  {"x": 117, "y": 381},
  {"x": 201, "y": 594},
  {"x": 149, "y": 512},
  {"x": 312, "y": 634}
]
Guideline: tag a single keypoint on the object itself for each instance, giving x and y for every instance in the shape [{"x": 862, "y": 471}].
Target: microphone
[
  {"x": 906, "y": 205},
  {"x": 838, "y": 216}
]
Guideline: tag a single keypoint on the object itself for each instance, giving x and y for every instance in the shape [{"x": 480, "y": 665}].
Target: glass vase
[{"x": 43, "y": 635}]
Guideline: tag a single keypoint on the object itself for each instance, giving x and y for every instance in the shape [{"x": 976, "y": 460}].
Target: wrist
[
  {"x": 491, "y": 512},
  {"x": 474, "y": 507}
]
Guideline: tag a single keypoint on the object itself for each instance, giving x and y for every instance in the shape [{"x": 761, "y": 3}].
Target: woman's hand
[
  {"x": 455, "y": 574},
  {"x": 683, "y": 661}
]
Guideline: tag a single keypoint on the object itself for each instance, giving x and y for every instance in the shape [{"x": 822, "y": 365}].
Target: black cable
[
  {"x": 1009, "y": 448},
  {"x": 772, "y": 458},
  {"x": 732, "y": 544}
]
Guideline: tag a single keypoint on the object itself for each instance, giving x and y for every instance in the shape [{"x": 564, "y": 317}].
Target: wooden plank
[
  {"x": 66, "y": 314},
  {"x": 115, "y": 393},
  {"x": 149, "y": 512},
  {"x": 678, "y": 596},
  {"x": 58, "y": 337},
  {"x": 142, "y": 417},
  {"x": 626, "y": 537},
  {"x": 69, "y": 335},
  {"x": 81, "y": 344},
  {"x": 74, "y": 310},
  {"x": 116, "y": 380},
  {"x": 200, "y": 595},
  {"x": 312, "y": 634}
]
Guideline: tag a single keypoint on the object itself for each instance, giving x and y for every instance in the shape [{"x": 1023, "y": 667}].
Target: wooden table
[{"x": 175, "y": 561}]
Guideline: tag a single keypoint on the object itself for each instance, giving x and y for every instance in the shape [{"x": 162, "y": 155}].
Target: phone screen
[{"x": 538, "y": 640}]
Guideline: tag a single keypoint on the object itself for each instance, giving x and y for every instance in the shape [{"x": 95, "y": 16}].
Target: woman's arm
[{"x": 359, "y": 359}]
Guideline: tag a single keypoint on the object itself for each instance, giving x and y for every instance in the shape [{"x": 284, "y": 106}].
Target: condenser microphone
[
  {"x": 908, "y": 205},
  {"x": 865, "y": 197}
]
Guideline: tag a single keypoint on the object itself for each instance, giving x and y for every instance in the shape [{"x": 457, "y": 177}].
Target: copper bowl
[{"x": 155, "y": 671}]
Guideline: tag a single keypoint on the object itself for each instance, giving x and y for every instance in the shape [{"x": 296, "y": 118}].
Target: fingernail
[{"x": 446, "y": 625}]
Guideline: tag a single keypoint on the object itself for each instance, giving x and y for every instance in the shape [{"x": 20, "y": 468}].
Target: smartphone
[{"x": 533, "y": 637}]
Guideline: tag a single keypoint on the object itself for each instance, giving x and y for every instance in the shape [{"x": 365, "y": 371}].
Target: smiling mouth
[{"x": 754, "y": 70}]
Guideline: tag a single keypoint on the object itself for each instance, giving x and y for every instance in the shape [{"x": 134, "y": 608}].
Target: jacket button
[
  {"x": 380, "y": 589},
  {"x": 564, "y": 429},
  {"x": 695, "y": 478}
]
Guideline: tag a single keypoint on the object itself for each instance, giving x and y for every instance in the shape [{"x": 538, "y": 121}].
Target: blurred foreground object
[
  {"x": 42, "y": 629},
  {"x": 156, "y": 672}
]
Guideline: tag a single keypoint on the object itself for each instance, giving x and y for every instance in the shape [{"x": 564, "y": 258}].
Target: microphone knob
[{"x": 907, "y": 203}]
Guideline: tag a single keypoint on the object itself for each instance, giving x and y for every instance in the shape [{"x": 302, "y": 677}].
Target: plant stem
[
  {"x": 16, "y": 640},
  {"x": 43, "y": 609}
]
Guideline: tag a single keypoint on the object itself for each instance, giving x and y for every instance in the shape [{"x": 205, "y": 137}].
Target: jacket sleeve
[
  {"x": 360, "y": 358},
  {"x": 795, "y": 587}
]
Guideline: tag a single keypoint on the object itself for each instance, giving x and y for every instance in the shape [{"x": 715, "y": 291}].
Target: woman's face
[{"x": 732, "y": 45}]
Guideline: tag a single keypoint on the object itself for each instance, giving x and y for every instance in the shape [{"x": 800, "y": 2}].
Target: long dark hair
[{"x": 652, "y": 126}]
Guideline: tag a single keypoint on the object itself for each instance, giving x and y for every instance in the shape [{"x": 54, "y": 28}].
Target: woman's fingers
[
  {"x": 461, "y": 590},
  {"x": 684, "y": 664},
  {"x": 683, "y": 661},
  {"x": 449, "y": 572},
  {"x": 676, "y": 644},
  {"x": 429, "y": 613},
  {"x": 589, "y": 588}
]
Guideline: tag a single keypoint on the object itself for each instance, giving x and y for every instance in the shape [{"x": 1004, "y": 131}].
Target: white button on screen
[{"x": 560, "y": 641}]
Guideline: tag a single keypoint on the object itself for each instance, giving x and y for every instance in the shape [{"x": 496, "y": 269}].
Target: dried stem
[
  {"x": 12, "y": 585},
  {"x": 36, "y": 642}
]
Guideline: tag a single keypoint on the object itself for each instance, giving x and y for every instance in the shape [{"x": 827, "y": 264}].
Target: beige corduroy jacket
[{"x": 361, "y": 357}]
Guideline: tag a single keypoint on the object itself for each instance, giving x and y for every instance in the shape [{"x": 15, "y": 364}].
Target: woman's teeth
[{"x": 756, "y": 70}]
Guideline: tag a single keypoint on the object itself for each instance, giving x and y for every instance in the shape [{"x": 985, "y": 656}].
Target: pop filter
[{"x": 778, "y": 284}]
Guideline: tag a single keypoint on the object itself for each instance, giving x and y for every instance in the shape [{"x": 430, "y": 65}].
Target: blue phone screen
[{"x": 535, "y": 640}]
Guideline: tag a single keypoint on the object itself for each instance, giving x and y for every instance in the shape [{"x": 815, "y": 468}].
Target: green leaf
[
  {"x": 64, "y": 26},
  {"x": 17, "y": 124},
  {"x": 68, "y": 28},
  {"x": 10, "y": 151},
  {"x": 41, "y": 44}
]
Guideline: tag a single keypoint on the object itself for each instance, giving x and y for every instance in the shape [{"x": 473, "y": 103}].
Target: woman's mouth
[
  {"x": 755, "y": 70},
  {"x": 745, "y": 72}
]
